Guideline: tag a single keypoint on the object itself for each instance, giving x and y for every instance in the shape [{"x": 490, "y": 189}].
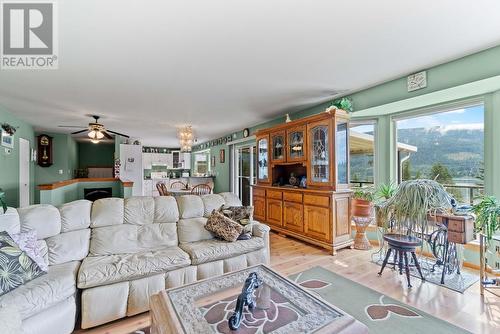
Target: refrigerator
[{"x": 131, "y": 166}]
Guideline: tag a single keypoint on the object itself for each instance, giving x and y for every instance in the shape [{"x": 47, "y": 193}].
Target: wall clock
[
  {"x": 246, "y": 132},
  {"x": 44, "y": 149},
  {"x": 416, "y": 81}
]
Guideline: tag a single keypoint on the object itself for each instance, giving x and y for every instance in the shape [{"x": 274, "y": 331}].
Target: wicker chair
[
  {"x": 178, "y": 185},
  {"x": 162, "y": 189},
  {"x": 201, "y": 189}
]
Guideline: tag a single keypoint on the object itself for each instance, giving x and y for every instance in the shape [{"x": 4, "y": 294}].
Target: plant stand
[
  {"x": 360, "y": 240},
  {"x": 490, "y": 285}
]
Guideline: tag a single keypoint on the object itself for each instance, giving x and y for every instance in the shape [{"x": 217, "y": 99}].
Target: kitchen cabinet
[
  {"x": 186, "y": 160},
  {"x": 293, "y": 216},
  {"x": 147, "y": 160},
  {"x": 314, "y": 222}
]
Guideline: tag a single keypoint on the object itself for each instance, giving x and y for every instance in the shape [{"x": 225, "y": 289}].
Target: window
[
  {"x": 202, "y": 163},
  {"x": 362, "y": 153},
  {"x": 447, "y": 146}
]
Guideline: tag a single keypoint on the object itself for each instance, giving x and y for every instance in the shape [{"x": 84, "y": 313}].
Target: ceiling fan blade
[
  {"x": 106, "y": 135},
  {"x": 119, "y": 134},
  {"x": 70, "y": 126},
  {"x": 77, "y": 132}
]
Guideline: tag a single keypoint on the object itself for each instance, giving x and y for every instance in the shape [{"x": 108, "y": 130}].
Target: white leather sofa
[{"x": 113, "y": 254}]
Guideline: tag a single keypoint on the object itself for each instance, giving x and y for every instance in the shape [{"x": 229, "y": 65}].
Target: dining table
[{"x": 179, "y": 192}]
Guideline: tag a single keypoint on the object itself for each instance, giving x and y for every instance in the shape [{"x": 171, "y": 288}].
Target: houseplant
[
  {"x": 2, "y": 200},
  {"x": 413, "y": 201},
  {"x": 487, "y": 216},
  {"x": 384, "y": 192},
  {"x": 362, "y": 202}
]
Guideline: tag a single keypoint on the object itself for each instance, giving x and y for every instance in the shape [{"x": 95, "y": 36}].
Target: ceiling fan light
[
  {"x": 99, "y": 135},
  {"x": 91, "y": 134},
  {"x": 95, "y": 141}
]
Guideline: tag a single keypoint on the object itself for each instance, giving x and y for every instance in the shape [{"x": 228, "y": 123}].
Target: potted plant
[
  {"x": 487, "y": 217},
  {"x": 2, "y": 200},
  {"x": 413, "y": 201},
  {"x": 362, "y": 202},
  {"x": 384, "y": 192}
]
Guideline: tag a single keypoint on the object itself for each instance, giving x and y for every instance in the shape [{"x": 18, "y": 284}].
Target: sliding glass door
[{"x": 246, "y": 166}]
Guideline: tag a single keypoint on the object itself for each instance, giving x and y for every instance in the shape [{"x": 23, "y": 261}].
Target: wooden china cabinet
[{"x": 302, "y": 185}]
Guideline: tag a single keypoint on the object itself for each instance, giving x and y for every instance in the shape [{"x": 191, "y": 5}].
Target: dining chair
[
  {"x": 201, "y": 189},
  {"x": 162, "y": 189},
  {"x": 178, "y": 185}
]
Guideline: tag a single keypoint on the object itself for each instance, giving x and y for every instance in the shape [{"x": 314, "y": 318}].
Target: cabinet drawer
[
  {"x": 259, "y": 192},
  {"x": 317, "y": 200},
  {"x": 276, "y": 194},
  {"x": 456, "y": 225},
  {"x": 292, "y": 197}
]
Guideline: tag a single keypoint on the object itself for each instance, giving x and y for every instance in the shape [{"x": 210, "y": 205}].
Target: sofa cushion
[
  {"x": 166, "y": 210},
  {"x": 43, "y": 218},
  {"x": 75, "y": 215},
  {"x": 9, "y": 221},
  {"x": 16, "y": 267},
  {"x": 223, "y": 227},
  {"x": 190, "y": 206},
  {"x": 28, "y": 243},
  {"x": 193, "y": 229},
  {"x": 103, "y": 270},
  {"x": 212, "y": 250},
  {"x": 128, "y": 239},
  {"x": 139, "y": 210},
  {"x": 230, "y": 199},
  {"x": 106, "y": 212},
  {"x": 45, "y": 291},
  {"x": 211, "y": 202},
  {"x": 69, "y": 246}
]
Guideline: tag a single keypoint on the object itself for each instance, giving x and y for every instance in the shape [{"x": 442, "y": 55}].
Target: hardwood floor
[{"x": 289, "y": 256}]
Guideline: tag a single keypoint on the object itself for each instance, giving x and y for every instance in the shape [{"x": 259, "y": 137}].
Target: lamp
[{"x": 186, "y": 136}]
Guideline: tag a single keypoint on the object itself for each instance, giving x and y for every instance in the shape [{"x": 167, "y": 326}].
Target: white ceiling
[{"x": 149, "y": 66}]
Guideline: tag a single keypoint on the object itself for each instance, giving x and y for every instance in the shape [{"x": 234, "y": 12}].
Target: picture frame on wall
[
  {"x": 222, "y": 156},
  {"x": 6, "y": 139},
  {"x": 212, "y": 163}
]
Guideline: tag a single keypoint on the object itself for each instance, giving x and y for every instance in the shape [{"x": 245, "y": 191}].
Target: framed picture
[
  {"x": 222, "y": 156},
  {"x": 212, "y": 164},
  {"x": 7, "y": 140}
]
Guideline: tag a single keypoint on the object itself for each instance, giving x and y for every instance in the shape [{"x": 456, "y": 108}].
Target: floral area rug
[{"x": 381, "y": 314}]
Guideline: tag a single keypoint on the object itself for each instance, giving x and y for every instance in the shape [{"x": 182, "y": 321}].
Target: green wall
[
  {"x": 95, "y": 155},
  {"x": 9, "y": 163},
  {"x": 463, "y": 71}
]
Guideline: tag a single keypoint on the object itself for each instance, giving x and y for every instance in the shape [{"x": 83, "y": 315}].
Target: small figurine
[{"x": 246, "y": 298}]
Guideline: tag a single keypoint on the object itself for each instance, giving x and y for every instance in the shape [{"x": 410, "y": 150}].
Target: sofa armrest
[
  {"x": 259, "y": 229},
  {"x": 262, "y": 231}
]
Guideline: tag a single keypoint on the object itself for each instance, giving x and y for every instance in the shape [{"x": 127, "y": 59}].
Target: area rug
[
  {"x": 456, "y": 282},
  {"x": 381, "y": 314}
]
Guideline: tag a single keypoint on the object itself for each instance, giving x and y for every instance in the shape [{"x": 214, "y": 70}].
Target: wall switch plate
[{"x": 61, "y": 172}]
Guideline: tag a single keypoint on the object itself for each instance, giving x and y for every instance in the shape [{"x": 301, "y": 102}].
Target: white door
[
  {"x": 24, "y": 172},
  {"x": 245, "y": 168}
]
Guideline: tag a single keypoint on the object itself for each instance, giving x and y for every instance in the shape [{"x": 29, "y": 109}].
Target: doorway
[
  {"x": 245, "y": 163},
  {"x": 24, "y": 172}
]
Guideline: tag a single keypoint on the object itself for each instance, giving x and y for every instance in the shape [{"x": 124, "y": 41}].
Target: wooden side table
[{"x": 360, "y": 240}]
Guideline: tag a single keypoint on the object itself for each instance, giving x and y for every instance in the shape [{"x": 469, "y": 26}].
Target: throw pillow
[
  {"x": 241, "y": 214},
  {"x": 16, "y": 267},
  {"x": 27, "y": 242},
  {"x": 223, "y": 227}
]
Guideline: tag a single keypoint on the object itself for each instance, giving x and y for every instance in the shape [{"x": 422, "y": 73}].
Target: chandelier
[{"x": 186, "y": 138}]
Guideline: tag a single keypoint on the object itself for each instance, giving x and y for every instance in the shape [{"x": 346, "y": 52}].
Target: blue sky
[{"x": 468, "y": 118}]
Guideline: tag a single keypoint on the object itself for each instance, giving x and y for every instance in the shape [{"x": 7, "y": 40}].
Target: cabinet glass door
[
  {"x": 296, "y": 144},
  {"x": 278, "y": 146},
  {"x": 320, "y": 154},
  {"x": 341, "y": 153},
  {"x": 263, "y": 154}
]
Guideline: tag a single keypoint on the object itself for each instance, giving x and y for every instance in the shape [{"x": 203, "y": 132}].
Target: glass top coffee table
[{"x": 281, "y": 307}]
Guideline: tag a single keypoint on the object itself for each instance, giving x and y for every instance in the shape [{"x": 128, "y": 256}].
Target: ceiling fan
[{"x": 96, "y": 131}]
